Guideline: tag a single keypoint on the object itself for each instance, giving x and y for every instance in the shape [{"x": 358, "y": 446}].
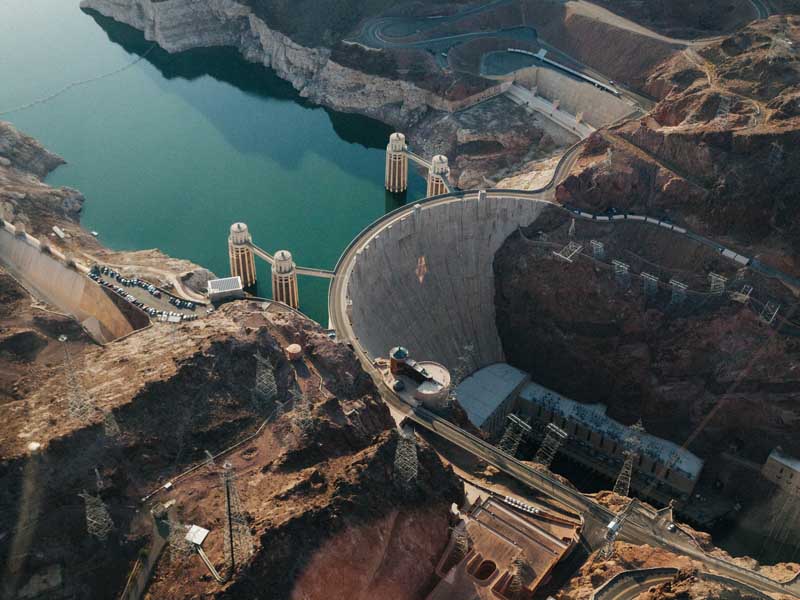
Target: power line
[
  {"x": 75, "y": 84},
  {"x": 238, "y": 540}
]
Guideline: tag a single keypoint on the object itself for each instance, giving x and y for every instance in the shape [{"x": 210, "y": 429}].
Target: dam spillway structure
[
  {"x": 396, "y": 164},
  {"x": 240, "y": 253},
  {"x": 379, "y": 297},
  {"x": 284, "y": 279},
  {"x": 438, "y": 175}
]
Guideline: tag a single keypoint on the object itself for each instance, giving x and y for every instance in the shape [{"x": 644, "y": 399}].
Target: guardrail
[{"x": 609, "y": 590}]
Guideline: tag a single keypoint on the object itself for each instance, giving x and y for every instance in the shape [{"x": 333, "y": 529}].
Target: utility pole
[{"x": 239, "y": 541}]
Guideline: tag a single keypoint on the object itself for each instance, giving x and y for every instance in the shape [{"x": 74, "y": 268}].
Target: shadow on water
[{"x": 225, "y": 64}]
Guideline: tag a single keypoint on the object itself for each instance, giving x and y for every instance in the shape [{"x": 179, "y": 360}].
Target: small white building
[{"x": 227, "y": 288}]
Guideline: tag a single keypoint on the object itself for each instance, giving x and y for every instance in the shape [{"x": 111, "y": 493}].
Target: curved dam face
[
  {"x": 424, "y": 279},
  {"x": 64, "y": 288}
]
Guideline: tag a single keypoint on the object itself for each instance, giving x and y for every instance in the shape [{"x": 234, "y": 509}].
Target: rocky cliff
[
  {"x": 319, "y": 475},
  {"x": 720, "y": 150},
  {"x": 23, "y": 196},
  {"x": 182, "y": 24}
]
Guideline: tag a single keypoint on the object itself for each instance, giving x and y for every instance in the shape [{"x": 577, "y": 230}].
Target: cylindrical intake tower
[
  {"x": 396, "y": 163},
  {"x": 439, "y": 171},
  {"x": 242, "y": 259},
  {"x": 284, "y": 279}
]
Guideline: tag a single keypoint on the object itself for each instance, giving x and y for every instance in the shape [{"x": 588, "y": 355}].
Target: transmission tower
[
  {"x": 98, "y": 519},
  {"x": 678, "y": 291},
  {"x": 622, "y": 273},
  {"x": 80, "y": 408},
  {"x": 569, "y": 251},
  {"x": 649, "y": 284},
  {"x": 723, "y": 110},
  {"x": 622, "y": 486},
  {"x": 110, "y": 426},
  {"x": 572, "y": 228},
  {"x": 238, "y": 540},
  {"x": 406, "y": 461},
  {"x": 716, "y": 283},
  {"x": 265, "y": 388},
  {"x": 516, "y": 428},
  {"x": 301, "y": 412},
  {"x": 554, "y": 439},
  {"x": 461, "y": 542},
  {"x": 598, "y": 249},
  {"x": 179, "y": 547},
  {"x": 769, "y": 312}
]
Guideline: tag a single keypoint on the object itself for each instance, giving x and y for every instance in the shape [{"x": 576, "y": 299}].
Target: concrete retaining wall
[
  {"x": 439, "y": 309},
  {"x": 46, "y": 275},
  {"x": 598, "y": 107}
]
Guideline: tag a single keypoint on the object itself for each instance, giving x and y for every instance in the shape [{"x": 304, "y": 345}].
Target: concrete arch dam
[{"x": 424, "y": 279}]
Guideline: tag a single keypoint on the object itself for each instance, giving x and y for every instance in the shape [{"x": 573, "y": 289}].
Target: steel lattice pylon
[
  {"x": 238, "y": 539},
  {"x": 301, "y": 413},
  {"x": 553, "y": 440},
  {"x": 98, "y": 519},
  {"x": 515, "y": 430},
  {"x": 80, "y": 408},
  {"x": 406, "y": 462},
  {"x": 265, "y": 388},
  {"x": 622, "y": 485},
  {"x": 111, "y": 426}
]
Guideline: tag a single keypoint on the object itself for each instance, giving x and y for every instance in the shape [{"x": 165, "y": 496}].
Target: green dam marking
[{"x": 172, "y": 150}]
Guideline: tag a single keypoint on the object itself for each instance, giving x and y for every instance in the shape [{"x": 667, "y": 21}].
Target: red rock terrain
[
  {"x": 720, "y": 150},
  {"x": 707, "y": 371}
]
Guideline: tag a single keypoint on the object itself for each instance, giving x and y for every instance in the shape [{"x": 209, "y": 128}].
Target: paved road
[
  {"x": 639, "y": 531},
  {"x": 761, "y": 8}
]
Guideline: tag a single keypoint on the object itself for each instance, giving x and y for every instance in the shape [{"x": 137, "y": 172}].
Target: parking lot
[{"x": 160, "y": 305}]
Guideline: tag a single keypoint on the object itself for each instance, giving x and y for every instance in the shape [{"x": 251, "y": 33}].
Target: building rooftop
[
  {"x": 482, "y": 392},
  {"x": 594, "y": 417},
  {"x": 226, "y": 284},
  {"x": 499, "y": 536}
]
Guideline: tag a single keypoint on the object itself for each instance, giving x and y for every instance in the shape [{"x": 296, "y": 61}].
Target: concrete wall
[
  {"x": 71, "y": 292},
  {"x": 598, "y": 107},
  {"x": 453, "y": 306}
]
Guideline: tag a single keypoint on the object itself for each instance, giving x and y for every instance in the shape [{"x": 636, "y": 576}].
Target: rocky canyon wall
[{"x": 178, "y": 25}]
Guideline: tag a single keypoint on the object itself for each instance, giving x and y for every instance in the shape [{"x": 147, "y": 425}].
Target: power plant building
[
  {"x": 783, "y": 470},
  {"x": 663, "y": 469},
  {"x": 489, "y": 395}
]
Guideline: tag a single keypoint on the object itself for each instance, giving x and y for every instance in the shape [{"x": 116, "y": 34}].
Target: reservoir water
[{"x": 174, "y": 148}]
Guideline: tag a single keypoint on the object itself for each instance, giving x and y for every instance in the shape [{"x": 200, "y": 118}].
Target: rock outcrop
[
  {"x": 318, "y": 476},
  {"x": 178, "y": 25},
  {"x": 23, "y": 196},
  {"x": 719, "y": 152}
]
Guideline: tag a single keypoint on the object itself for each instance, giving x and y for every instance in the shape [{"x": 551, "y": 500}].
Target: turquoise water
[{"x": 173, "y": 149}]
